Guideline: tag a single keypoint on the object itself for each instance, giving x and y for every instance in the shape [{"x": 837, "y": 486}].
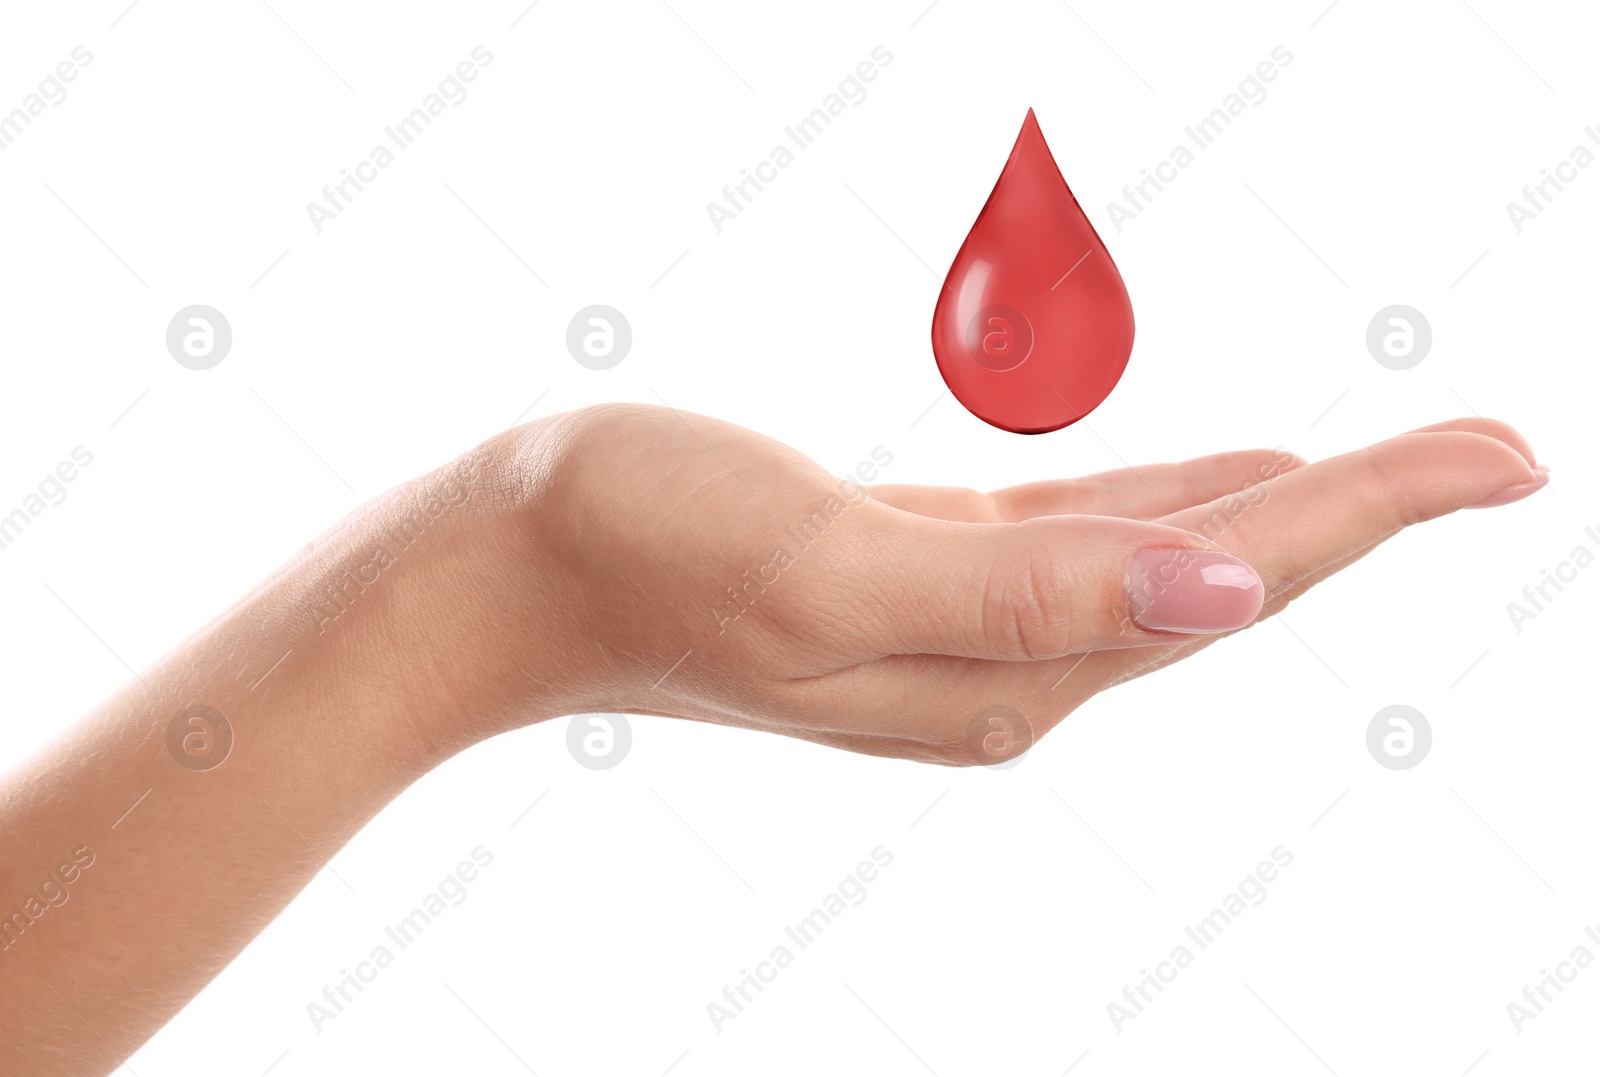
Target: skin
[{"x": 575, "y": 565}]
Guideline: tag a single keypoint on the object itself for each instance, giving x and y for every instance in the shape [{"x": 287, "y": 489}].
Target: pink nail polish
[
  {"x": 1516, "y": 491},
  {"x": 1191, "y": 591}
]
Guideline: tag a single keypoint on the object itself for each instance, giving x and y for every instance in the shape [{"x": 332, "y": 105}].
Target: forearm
[{"x": 141, "y": 852}]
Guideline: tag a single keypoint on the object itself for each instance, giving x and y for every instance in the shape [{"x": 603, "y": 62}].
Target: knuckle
[{"x": 1027, "y": 611}]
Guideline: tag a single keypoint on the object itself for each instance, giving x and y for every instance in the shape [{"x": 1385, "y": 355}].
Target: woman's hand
[
  {"x": 673, "y": 564},
  {"x": 637, "y": 559}
]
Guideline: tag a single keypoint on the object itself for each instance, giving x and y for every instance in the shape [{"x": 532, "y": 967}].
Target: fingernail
[
  {"x": 1516, "y": 491},
  {"x": 1191, "y": 591}
]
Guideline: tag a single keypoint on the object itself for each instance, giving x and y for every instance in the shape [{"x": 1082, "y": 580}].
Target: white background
[{"x": 433, "y": 312}]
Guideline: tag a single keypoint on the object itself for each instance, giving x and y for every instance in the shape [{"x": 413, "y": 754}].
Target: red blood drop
[{"x": 1033, "y": 326}]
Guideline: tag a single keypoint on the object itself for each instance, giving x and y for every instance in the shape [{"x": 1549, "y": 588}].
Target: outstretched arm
[{"x": 629, "y": 559}]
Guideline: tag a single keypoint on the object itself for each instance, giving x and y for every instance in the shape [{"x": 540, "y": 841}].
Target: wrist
[
  {"x": 447, "y": 604},
  {"x": 395, "y": 626}
]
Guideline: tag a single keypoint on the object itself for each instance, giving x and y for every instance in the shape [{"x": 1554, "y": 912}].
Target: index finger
[{"x": 1319, "y": 515}]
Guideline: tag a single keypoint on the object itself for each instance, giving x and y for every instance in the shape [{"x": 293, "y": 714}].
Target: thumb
[{"x": 1053, "y": 586}]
